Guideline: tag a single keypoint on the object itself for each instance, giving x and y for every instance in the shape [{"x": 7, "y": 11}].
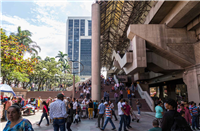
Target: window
[
  {"x": 89, "y": 27},
  {"x": 82, "y": 28}
]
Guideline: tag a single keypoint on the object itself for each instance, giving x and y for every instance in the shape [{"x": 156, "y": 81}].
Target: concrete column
[
  {"x": 96, "y": 87},
  {"x": 191, "y": 77}
]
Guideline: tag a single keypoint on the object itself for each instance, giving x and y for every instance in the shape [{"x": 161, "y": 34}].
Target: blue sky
[{"x": 46, "y": 19}]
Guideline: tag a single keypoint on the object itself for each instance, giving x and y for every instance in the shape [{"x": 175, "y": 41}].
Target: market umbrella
[{"x": 6, "y": 88}]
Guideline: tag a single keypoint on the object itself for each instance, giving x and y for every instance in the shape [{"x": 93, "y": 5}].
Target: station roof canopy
[{"x": 116, "y": 16}]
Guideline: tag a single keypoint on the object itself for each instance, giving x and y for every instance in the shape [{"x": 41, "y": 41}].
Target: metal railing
[
  {"x": 145, "y": 95},
  {"x": 116, "y": 80}
]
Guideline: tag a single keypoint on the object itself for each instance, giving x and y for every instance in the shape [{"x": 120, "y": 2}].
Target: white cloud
[
  {"x": 50, "y": 37},
  {"x": 48, "y": 30},
  {"x": 87, "y": 5},
  {"x": 52, "y": 3}
]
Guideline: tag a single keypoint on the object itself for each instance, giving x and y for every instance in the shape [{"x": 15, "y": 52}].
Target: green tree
[
  {"x": 62, "y": 56},
  {"x": 63, "y": 59},
  {"x": 45, "y": 70},
  {"x": 24, "y": 38}
]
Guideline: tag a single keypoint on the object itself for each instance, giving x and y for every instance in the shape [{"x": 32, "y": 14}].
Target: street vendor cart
[{"x": 28, "y": 109}]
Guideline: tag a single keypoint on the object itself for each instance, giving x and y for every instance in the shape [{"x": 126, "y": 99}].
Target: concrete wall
[{"x": 160, "y": 39}]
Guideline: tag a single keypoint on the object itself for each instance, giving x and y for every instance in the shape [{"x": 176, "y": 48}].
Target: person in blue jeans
[
  {"x": 101, "y": 110},
  {"x": 194, "y": 112},
  {"x": 138, "y": 105},
  {"x": 108, "y": 113},
  {"x": 58, "y": 113},
  {"x": 122, "y": 114}
]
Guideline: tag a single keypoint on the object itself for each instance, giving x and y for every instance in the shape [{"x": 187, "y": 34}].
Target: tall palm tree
[
  {"x": 23, "y": 37},
  {"x": 49, "y": 59},
  {"x": 61, "y": 57}
]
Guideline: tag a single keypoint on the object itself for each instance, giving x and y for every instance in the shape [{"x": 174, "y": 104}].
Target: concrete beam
[
  {"x": 182, "y": 14},
  {"x": 139, "y": 56},
  {"x": 194, "y": 24},
  {"x": 124, "y": 61},
  {"x": 162, "y": 62},
  {"x": 159, "y": 11},
  {"x": 158, "y": 36}
]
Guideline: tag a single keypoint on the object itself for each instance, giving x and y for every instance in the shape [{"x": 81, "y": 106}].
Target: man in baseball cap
[{"x": 60, "y": 95}]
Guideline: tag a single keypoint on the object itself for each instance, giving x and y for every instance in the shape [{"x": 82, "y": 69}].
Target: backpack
[{"x": 180, "y": 124}]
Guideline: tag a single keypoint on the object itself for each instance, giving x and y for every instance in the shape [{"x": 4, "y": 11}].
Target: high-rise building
[{"x": 78, "y": 44}]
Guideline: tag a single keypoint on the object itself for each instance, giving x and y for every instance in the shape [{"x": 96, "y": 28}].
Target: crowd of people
[
  {"x": 62, "y": 111},
  {"x": 172, "y": 115}
]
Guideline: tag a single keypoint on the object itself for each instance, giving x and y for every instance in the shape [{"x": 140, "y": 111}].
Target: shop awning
[{"x": 6, "y": 88}]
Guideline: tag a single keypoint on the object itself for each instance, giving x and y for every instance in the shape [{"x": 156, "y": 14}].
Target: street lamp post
[{"x": 73, "y": 91}]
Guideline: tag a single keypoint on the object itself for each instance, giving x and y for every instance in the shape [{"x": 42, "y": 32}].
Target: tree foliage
[{"x": 15, "y": 68}]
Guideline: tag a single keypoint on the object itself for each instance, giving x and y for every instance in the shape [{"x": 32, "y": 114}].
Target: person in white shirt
[
  {"x": 75, "y": 106},
  {"x": 113, "y": 111},
  {"x": 58, "y": 113},
  {"x": 122, "y": 114},
  {"x": 65, "y": 100}
]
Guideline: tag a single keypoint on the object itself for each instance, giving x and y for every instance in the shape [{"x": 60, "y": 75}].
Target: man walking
[
  {"x": 113, "y": 111},
  {"x": 122, "y": 114},
  {"x": 105, "y": 95},
  {"x": 116, "y": 97},
  {"x": 159, "y": 113},
  {"x": 127, "y": 117},
  {"x": 75, "y": 106},
  {"x": 101, "y": 110},
  {"x": 58, "y": 113},
  {"x": 138, "y": 105},
  {"x": 108, "y": 112}
]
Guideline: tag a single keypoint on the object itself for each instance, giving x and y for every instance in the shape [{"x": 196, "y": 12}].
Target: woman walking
[
  {"x": 90, "y": 109},
  {"x": 70, "y": 116},
  {"x": 45, "y": 113}
]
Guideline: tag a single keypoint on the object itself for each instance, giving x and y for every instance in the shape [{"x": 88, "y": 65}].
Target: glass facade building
[
  {"x": 85, "y": 57},
  {"x": 76, "y": 47}
]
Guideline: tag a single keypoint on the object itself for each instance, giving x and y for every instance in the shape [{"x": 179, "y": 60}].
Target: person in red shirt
[
  {"x": 8, "y": 104},
  {"x": 45, "y": 113},
  {"x": 127, "y": 109}
]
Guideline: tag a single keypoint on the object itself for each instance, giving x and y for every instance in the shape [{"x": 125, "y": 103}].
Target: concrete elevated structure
[{"x": 163, "y": 49}]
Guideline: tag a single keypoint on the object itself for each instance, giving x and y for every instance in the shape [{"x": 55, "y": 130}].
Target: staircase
[{"x": 145, "y": 106}]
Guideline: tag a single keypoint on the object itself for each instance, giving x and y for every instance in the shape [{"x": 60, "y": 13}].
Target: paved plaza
[{"x": 90, "y": 125}]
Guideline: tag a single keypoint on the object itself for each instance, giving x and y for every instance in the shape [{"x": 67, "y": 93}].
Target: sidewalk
[{"x": 90, "y": 125}]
